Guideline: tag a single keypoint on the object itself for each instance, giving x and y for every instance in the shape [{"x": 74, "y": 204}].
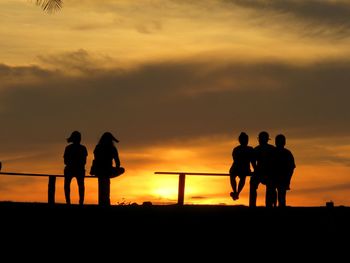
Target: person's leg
[
  {"x": 67, "y": 181},
  {"x": 253, "y": 187},
  {"x": 103, "y": 191},
  {"x": 233, "y": 182},
  {"x": 81, "y": 188},
  {"x": 275, "y": 197},
  {"x": 241, "y": 184},
  {"x": 270, "y": 195},
  {"x": 100, "y": 190},
  {"x": 108, "y": 191},
  {"x": 281, "y": 197}
]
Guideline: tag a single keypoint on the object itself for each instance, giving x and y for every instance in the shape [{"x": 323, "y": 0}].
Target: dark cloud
[
  {"x": 164, "y": 101},
  {"x": 320, "y": 13},
  {"x": 322, "y": 189},
  {"x": 76, "y": 62},
  {"x": 22, "y": 74},
  {"x": 321, "y": 152},
  {"x": 198, "y": 197}
]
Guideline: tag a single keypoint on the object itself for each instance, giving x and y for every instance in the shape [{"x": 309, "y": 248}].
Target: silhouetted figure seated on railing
[
  {"x": 242, "y": 156},
  {"x": 105, "y": 154}
]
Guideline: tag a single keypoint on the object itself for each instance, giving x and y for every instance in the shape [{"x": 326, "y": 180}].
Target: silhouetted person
[
  {"x": 242, "y": 156},
  {"x": 263, "y": 171},
  {"x": 284, "y": 169},
  {"x": 105, "y": 154},
  {"x": 74, "y": 159}
]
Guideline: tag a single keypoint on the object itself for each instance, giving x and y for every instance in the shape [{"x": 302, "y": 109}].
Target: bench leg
[
  {"x": 51, "y": 190},
  {"x": 181, "y": 192}
]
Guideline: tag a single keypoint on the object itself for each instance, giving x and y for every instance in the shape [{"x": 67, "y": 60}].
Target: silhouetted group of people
[
  {"x": 273, "y": 166},
  {"x": 106, "y": 165}
]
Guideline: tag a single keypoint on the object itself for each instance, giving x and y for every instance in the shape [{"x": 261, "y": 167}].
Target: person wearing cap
[
  {"x": 284, "y": 169},
  {"x": 264, "y": 155},
  {"x": 242, "y": 156},
  {"x": 105, "y": 153},
  {"x": 74, "y": 157}
]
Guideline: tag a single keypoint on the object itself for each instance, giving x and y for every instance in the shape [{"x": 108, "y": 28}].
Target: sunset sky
[{"x": 176, "y": 82}]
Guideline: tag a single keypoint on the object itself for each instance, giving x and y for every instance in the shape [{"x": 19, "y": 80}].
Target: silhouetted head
[
  {"x": 243, "y": 138},
  {"x": 107, "y": 138},
  {"x": 75, "y": 137},
  {"x": 263, "y": 137},
  {"x": 280, "y": 141}
]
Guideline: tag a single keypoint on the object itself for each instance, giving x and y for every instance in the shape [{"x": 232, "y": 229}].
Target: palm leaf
[{"x": 50, "y": 5}]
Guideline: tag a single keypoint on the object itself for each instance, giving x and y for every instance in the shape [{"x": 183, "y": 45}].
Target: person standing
[
  {"x": 284, "y": 169},
  {"x": 242, "y": 156},
  {"x": 263, "y": 171},
  {"x": 105, "y": 153},
  {"x": 74, "y": 157}
]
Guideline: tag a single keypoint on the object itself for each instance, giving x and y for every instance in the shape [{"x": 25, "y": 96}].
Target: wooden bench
[{"x": 182, "y": 179}]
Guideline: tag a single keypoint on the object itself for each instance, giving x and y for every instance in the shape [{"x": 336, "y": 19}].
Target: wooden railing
[
  {"x": 182, "y": 180},
  {"x": 51, "y": 183}
]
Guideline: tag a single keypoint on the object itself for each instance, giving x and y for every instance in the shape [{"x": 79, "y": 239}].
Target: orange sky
[{"x": 176, "y": 82}]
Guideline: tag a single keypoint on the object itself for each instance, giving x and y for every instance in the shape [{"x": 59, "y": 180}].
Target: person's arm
[
  {"x": 253, "y": 158},
  {"x": 65, "y": 157},
  {"x": 291, "y": 169},
  {"x": 291, "y": 163},
  {"x": 85, "y": 154}
]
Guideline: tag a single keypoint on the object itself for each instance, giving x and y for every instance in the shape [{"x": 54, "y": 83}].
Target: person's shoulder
[
  {"x": 287, "y": 151},
  {"x": 246, "y": 148},
  {"x": 83, "y": 147},
  {"x": 282, "y": 151},
  {"x": 236, "y": 148},
  {"x": 291, "y": 156},
  {"x": 68, "y": 147},
  {"x": 258, "y": 147}
]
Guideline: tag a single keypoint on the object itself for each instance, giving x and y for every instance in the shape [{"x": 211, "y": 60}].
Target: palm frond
[{"x": 50, "y": 5}]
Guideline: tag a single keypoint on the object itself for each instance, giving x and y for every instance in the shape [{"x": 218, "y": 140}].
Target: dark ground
[{"x": 200, "y": 230}]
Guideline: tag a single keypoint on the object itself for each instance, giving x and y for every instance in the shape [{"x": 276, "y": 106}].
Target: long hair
[{"x": 107, "y": 138}]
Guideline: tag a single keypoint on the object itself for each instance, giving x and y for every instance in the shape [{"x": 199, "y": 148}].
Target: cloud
[
  {"x": 173, "y": 100},
  {"x": 318, "y": 17},
  {"x": 319, "y": 11},
  {"x": 311, "y": 18},
  {"x": 76, "y": 62},
  {"x": 321, "y": 189},
  {"x": 141, "y": 31},
  {"x": 198, "y": 197},
  {"x": 323, "y": 152},
  {"x": 17, "y": 75}
]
